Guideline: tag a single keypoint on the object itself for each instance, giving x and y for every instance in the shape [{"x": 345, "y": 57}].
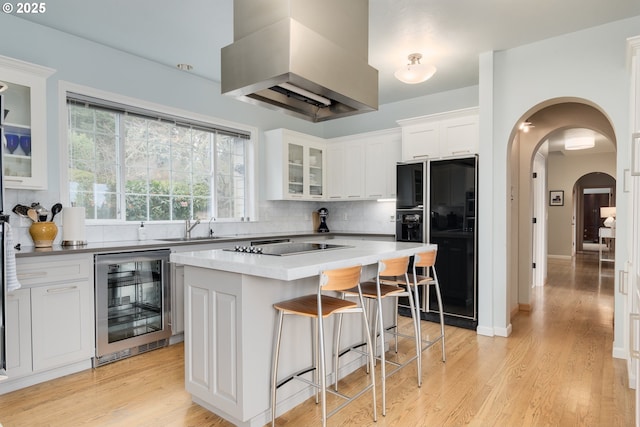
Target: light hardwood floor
[{"x": 556, "y": 369}]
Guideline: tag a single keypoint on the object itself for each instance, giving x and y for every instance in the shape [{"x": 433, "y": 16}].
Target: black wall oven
[
  {"x": 132, "y": 304},
  {"x": 409, "y": 225}
]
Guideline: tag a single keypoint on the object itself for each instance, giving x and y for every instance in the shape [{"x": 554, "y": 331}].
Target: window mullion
[
  {"x": 121, "y": 169},
  {"x": 214, "y": 174}
]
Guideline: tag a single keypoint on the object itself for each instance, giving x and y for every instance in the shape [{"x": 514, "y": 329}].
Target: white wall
[
  {"x": 590, "y": 65},
  {"x": 563, "y": 172}
]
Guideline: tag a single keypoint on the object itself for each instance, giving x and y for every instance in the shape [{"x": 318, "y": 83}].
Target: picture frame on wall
[{"x": 556, "y": 198}]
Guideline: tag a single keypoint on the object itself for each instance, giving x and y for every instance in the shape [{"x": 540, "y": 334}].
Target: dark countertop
[{"x": 140, "y": 245}]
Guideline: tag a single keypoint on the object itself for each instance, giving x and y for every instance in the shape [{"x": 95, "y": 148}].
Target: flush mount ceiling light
[
  {"x": 579, "y": 143},
  {"x": 415, "y": 72}
]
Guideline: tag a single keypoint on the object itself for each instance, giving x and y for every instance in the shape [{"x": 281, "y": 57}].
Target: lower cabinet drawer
[{"x": 52, "y": 269}]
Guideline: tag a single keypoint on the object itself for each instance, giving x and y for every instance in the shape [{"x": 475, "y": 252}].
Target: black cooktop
[{"x": 285, "y": 249}]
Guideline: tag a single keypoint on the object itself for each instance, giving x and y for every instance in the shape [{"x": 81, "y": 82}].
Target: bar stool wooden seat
[
  {"x": 425, "y": 261},
  {"x": 387, "y": 285},
  {"x": 318, "y": 307}
]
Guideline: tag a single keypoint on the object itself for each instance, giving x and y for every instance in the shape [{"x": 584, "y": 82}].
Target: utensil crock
[{"x": 43, "y": 233}]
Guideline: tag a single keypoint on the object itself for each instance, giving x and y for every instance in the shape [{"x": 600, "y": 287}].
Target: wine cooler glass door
[{"x": 131, "y": 302}]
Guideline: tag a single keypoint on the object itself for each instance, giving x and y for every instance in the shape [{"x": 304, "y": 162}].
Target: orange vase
[{"x": 43, "y": 233}]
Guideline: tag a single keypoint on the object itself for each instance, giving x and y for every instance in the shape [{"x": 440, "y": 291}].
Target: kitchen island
[{"x": 229, "y": 322}]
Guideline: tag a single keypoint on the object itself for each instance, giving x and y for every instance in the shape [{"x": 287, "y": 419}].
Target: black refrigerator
[{"x": 439, "y": 197}]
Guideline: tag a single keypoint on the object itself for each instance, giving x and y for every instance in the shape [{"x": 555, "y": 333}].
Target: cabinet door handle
[
  {"x": 6, "y": 178},
  {"x": 455, "y": 153},
  {"x": 633, "y": 320},
  {"x": 33, "y": 275},
  {"x": 421, "y": 156},
  {"x": 622, "y": 283},
  {"x": 64, "y": 289}
]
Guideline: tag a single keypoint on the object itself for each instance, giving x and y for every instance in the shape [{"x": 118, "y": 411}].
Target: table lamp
[{"x": 608, "y": 212}]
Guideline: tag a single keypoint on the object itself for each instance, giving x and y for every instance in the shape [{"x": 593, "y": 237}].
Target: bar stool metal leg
[{"x": 274, "y": 371}]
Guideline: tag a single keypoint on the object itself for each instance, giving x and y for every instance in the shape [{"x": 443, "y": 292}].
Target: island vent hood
[{"x": 307, "y": 58}]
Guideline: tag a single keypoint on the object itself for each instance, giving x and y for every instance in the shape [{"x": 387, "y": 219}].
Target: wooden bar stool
[
  {"x": 386, "y": 285},
  {"x": 318, "y": 307},
  {"x": 427, "y": 262}
]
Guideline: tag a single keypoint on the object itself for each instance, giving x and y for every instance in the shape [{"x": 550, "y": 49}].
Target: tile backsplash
[{"x": 273, "y": 216}]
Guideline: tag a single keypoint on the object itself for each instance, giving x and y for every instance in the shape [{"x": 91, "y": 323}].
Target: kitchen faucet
[{"x": 188, "y": 227}]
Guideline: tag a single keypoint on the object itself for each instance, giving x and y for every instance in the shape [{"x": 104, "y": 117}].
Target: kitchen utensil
[
  {"x": 31, "y": 213},
  {"x": 21, "y": 210},
  {"x": 43, "y": 213},
  {"x": 55, "y": 210}
]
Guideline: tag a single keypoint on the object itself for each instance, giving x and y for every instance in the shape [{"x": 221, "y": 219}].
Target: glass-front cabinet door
[
  {"x": 24, "y": 146},
  {"x": 295, "y": 166},
  {"x": 316, "y": 187},
  {"x": 305, "y": 175},
  {"x": 296, "y": 169}
]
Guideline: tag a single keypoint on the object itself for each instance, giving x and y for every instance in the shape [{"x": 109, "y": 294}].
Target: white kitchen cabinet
[
  {"x": 440, "y": 135},
  {"x": 62, "y": 323},
  {"x": 382, "y": 152},
  {"x": 50, "y": 319},
  {"x": 294, "y": 166},
  {"x": 629, "y": 278},
  {"x": 421, "y": 140},
  {"x": 18, "y": 333},
  {"x": 177, "y": 299},
  {"x": 363, "y": 166},
  {"x": 345, "y": 170},
  {"x": 353, "y": 171},
  {"x": 177, "y": 282},
  {"x": 25, "y": 125},
  {"x": 335, "y": 171}
]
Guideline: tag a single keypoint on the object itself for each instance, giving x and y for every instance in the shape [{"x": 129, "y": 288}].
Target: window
[{"x": 137, "y": 165}]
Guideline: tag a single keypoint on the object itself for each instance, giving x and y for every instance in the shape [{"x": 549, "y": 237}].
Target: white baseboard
[
  {"x": 485, "y": 330},
  {"x": 619, "y": 353},
  {"x": 14, "y": 384},
  {"x": 497, "y": 332}
]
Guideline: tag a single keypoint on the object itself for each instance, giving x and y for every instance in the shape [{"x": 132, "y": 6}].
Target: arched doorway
[{"x": 549, "y": 123}]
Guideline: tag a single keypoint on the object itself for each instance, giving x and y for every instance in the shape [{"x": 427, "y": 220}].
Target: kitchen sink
[{"x": 191, "y": 239}]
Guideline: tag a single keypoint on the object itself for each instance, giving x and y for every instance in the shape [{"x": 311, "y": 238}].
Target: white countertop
[{"x": 299, "y": 266}]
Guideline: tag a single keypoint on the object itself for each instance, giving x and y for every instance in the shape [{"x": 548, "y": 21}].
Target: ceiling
[
  {"x": 449, "y": 34},
  {"x": 602, "y": 143}
]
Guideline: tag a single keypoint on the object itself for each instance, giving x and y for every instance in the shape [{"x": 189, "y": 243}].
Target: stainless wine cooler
[{"x": 132, "y": 304}]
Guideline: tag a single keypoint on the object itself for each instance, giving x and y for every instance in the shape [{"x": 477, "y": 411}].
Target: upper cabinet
[
  {"x": 294, "y": 167},
  {"x": 24, "y": 145},
  {"x": 363, "y": 166},
  {"x": 448, "y": 134},
  {"x": 355, "y": 167}
]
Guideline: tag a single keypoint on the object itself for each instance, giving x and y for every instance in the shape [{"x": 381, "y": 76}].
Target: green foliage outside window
[{"x": 168, "y": 171}]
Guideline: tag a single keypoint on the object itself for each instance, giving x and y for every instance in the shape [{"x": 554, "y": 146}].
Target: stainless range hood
[{"x": 307, "y": 58}]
